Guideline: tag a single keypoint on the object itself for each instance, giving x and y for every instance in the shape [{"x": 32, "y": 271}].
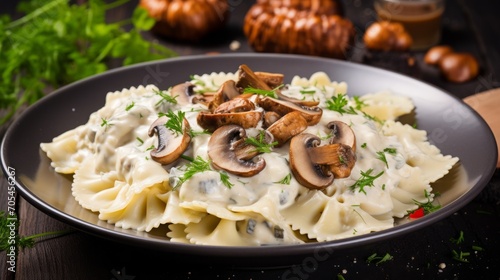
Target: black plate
[{"x": 451, "y": 125}]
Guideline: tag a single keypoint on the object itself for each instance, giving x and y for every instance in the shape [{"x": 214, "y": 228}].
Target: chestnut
[
  {"x": 459, "y": 67},
  {"x": 436, "y": 53},
  {"x": 387, "y": 36}
]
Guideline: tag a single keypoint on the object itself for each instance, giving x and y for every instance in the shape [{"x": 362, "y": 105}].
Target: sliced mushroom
[
  {"x": 270, "y": 118},
  {"x": 235, "y": 105},
  {"x": 339, "y": 158},
  {"x": 228, "y": 151},
  {"x": 287, "y": 126},
  {"x": 342, "y": 133},
  {"x": 170, "y": 146},
  {"x": 308, "y": 173},
  {"x": 227, "y": 91},
  {"x": 212, "y": 121},
  {"x": 300, "y": 102},
  {"x": 273, "y": 80},
  {"x": 204, "y": 98},
  {"x": 183, "y": 92},
  {"x": 311, "y": 114},
  {"x": 247, "y": 78}
]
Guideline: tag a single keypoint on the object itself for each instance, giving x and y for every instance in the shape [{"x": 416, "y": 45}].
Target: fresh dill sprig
[
  {"x": 381, "y": 154},
  {"x": 428, "y": 206},
  {"x": 175, "y": 121},
  {"x": 366, "y": 180},
  {"x": 286, "y": 180},
  {"x": 264, "y": 92},
  {"x": 166, "y": 97},
  {"x": 260, "y": 143},
  {"x": 377, "y": 259},
  {"x": 130, "y": 106},
  {"x": 199, "y": 165}
]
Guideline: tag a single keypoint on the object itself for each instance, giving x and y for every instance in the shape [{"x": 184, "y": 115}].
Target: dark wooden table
[{"x": 472, "y": 26}]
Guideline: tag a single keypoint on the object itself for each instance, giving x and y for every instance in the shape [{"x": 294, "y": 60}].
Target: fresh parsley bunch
[{"x": 56, "y": 43}]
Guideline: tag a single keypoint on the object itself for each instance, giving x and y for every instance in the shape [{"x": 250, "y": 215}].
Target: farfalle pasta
[{"x": 382, "y": 173}]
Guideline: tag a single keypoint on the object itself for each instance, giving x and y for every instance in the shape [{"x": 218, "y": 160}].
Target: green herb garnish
[
  {"x": 458, "y": 240},
  {"x": 366, "y": 180},
  {"x": 338, "y": 103},
  {"x": 57, "y": 42},
  {"x": 9, "y": 225},
  {"x": 175, "y": 121},
  {"x": 264, "y": 92},
  {"x": 286, "y": 180},
  {"x": 381, "y": 155},
  {"x": 460, "y": 256},
  {"x": 130, "y": 106},
  {"x": 428, "y": 206},
  {"x": 199, "y": 165},
  {"x": 260, "y": 143},
  {"x": 377, "y": 259},
  {"x": 166, "y": 97}
]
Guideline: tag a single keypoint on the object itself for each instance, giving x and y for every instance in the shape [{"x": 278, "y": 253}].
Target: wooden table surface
[{"x": 471, "y": 26}]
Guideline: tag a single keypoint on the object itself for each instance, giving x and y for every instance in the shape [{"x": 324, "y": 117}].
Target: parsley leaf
[
  {"x": 338, "y": 103},
  {"x": 57, "y": 42}
]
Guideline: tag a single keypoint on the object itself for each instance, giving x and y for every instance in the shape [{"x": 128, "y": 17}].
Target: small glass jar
[{"x": 421, "y": 18}]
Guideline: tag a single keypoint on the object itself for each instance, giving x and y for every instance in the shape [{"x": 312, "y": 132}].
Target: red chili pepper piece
[{"x": 419, "y": 213}]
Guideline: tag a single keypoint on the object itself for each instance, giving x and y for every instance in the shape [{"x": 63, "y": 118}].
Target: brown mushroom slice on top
[
  {"x": 342, "y": 133},
  {"x": 227, "y": 91},
  {"x": 170, "y": 145},
  {"x": 248, "y": 78},
  {"x": 287, "y": 126},
  {"x": 300, "y": 102},
  {"x": 183, "y": 93},
  {"x": 270, "y": 117},
  {"x": 228, "y": 151},
  {"x": 273, "y": 80},
  {"x": 309, "y": 174},
  {"x": 211, "y": 121},
  {"x": 282, "y": 107},
  {"x": 235, "y": 105},
  {"x": 338, "y": 158}
]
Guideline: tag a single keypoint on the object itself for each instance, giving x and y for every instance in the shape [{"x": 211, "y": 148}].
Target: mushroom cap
[
  {"x": 225, "y": 151},
  {"x": 342, "y": 133},
  {"x": 182, "y": 93},
  {"x": 287, "y": 126},
  {"x": 170, "y": 146},
  {"x": 308, "y": 173}
]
